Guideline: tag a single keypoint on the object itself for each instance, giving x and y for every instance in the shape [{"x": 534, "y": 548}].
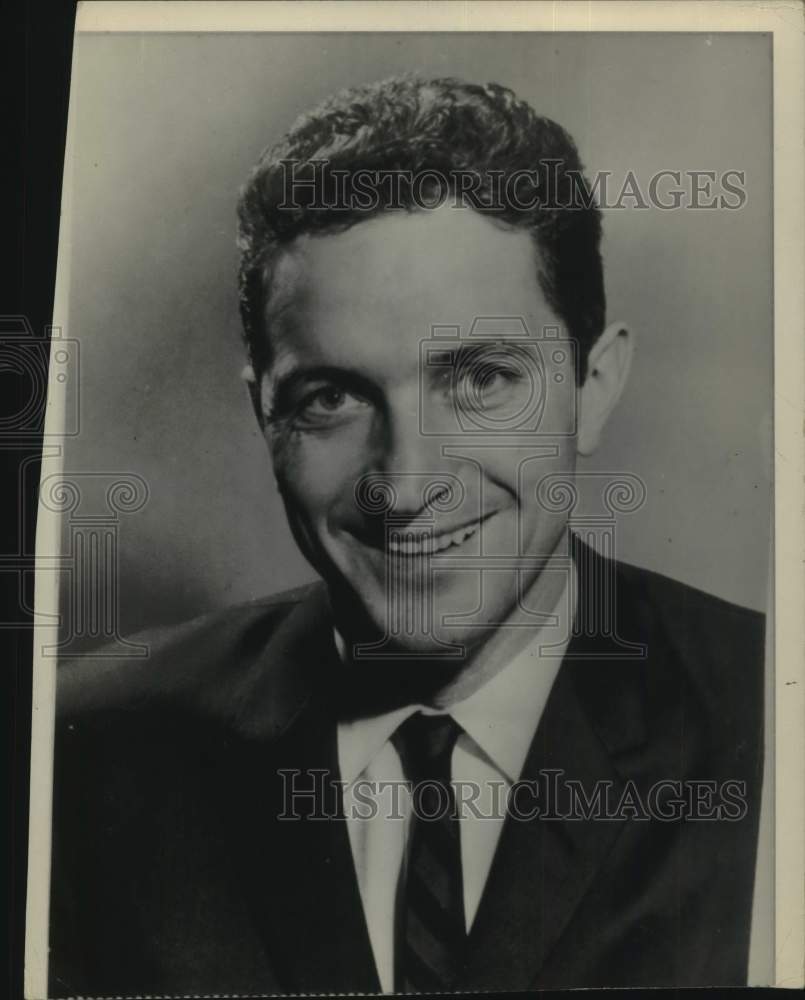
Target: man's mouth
[{"x": 417, "y": 541}]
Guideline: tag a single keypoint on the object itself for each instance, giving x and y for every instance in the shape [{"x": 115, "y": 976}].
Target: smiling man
[
  {"x": 348, "y": 405},
  {"x": 578, "y": 742}
]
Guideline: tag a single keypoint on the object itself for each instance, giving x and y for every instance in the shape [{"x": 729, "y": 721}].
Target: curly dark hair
[{"x": 443, "y": 128}]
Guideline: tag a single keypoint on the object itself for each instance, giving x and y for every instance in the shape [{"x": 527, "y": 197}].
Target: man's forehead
[
  {"x": 372, "y": 293},
  {"x": 403, "y": 253}
]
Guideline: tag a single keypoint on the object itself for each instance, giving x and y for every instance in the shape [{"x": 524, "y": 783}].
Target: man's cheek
[{"x": 316, "y": 471}]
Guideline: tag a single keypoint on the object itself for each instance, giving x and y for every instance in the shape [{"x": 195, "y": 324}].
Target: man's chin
[
  {"x": 415, "y": 623},
  {"x": 450, "y": 645},
  {"x": 421, "y": 646}
]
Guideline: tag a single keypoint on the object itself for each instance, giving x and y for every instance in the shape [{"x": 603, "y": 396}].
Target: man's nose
[{"x": 408, "y": 461}]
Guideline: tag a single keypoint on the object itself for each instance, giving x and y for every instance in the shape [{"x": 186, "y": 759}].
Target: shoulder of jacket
[
  {"x": 716, "y": 644},
  {"x": 687, "y": 607},
  {"x": 171, "y": 666}
]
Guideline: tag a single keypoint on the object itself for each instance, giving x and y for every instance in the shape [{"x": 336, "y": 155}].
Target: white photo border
[{"x": 783, "y": 20}]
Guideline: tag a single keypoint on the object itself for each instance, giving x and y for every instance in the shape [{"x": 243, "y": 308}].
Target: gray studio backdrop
[{"x": 166, "y": 127}]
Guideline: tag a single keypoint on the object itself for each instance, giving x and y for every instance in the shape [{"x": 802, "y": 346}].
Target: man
[{"x": 581, "y": 741}]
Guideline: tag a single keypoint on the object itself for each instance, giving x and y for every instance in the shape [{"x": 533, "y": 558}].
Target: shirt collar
[{"x": 500, "y": 717}]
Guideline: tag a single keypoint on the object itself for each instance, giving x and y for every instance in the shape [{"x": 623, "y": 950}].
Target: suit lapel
[
  {"x": 543, "y": 867},
  {"x": 297, "y": 871},
  {"x": 299, "y": 874}
]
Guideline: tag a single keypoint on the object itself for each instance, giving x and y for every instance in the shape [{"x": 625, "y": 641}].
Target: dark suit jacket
[{"x": 172, "y": 874}]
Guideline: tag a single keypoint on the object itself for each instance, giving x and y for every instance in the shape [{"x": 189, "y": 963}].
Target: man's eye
[
  {"x": 329, "y": 401},
  {"x": 485, "y": 384}
]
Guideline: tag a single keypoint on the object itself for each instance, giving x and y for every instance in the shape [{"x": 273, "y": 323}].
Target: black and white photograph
[{"x": 411, "y": 567}]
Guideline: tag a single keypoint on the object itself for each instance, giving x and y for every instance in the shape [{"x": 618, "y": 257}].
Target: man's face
[{"x": 368, "y": 427}]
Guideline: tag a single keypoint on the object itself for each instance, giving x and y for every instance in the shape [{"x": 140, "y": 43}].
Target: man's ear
[
  {"x": 248, "y": 376},
  {"x": 607, "y": 370}
]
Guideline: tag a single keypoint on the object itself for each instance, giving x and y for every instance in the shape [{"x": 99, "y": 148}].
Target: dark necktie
[{"x": 432, "y": 937}]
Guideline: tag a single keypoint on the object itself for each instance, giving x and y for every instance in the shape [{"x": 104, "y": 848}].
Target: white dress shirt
[{"x": 498, "y": 722}]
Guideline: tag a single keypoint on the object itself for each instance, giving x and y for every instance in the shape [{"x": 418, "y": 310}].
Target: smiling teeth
[{"x": 418, "y": 544}]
